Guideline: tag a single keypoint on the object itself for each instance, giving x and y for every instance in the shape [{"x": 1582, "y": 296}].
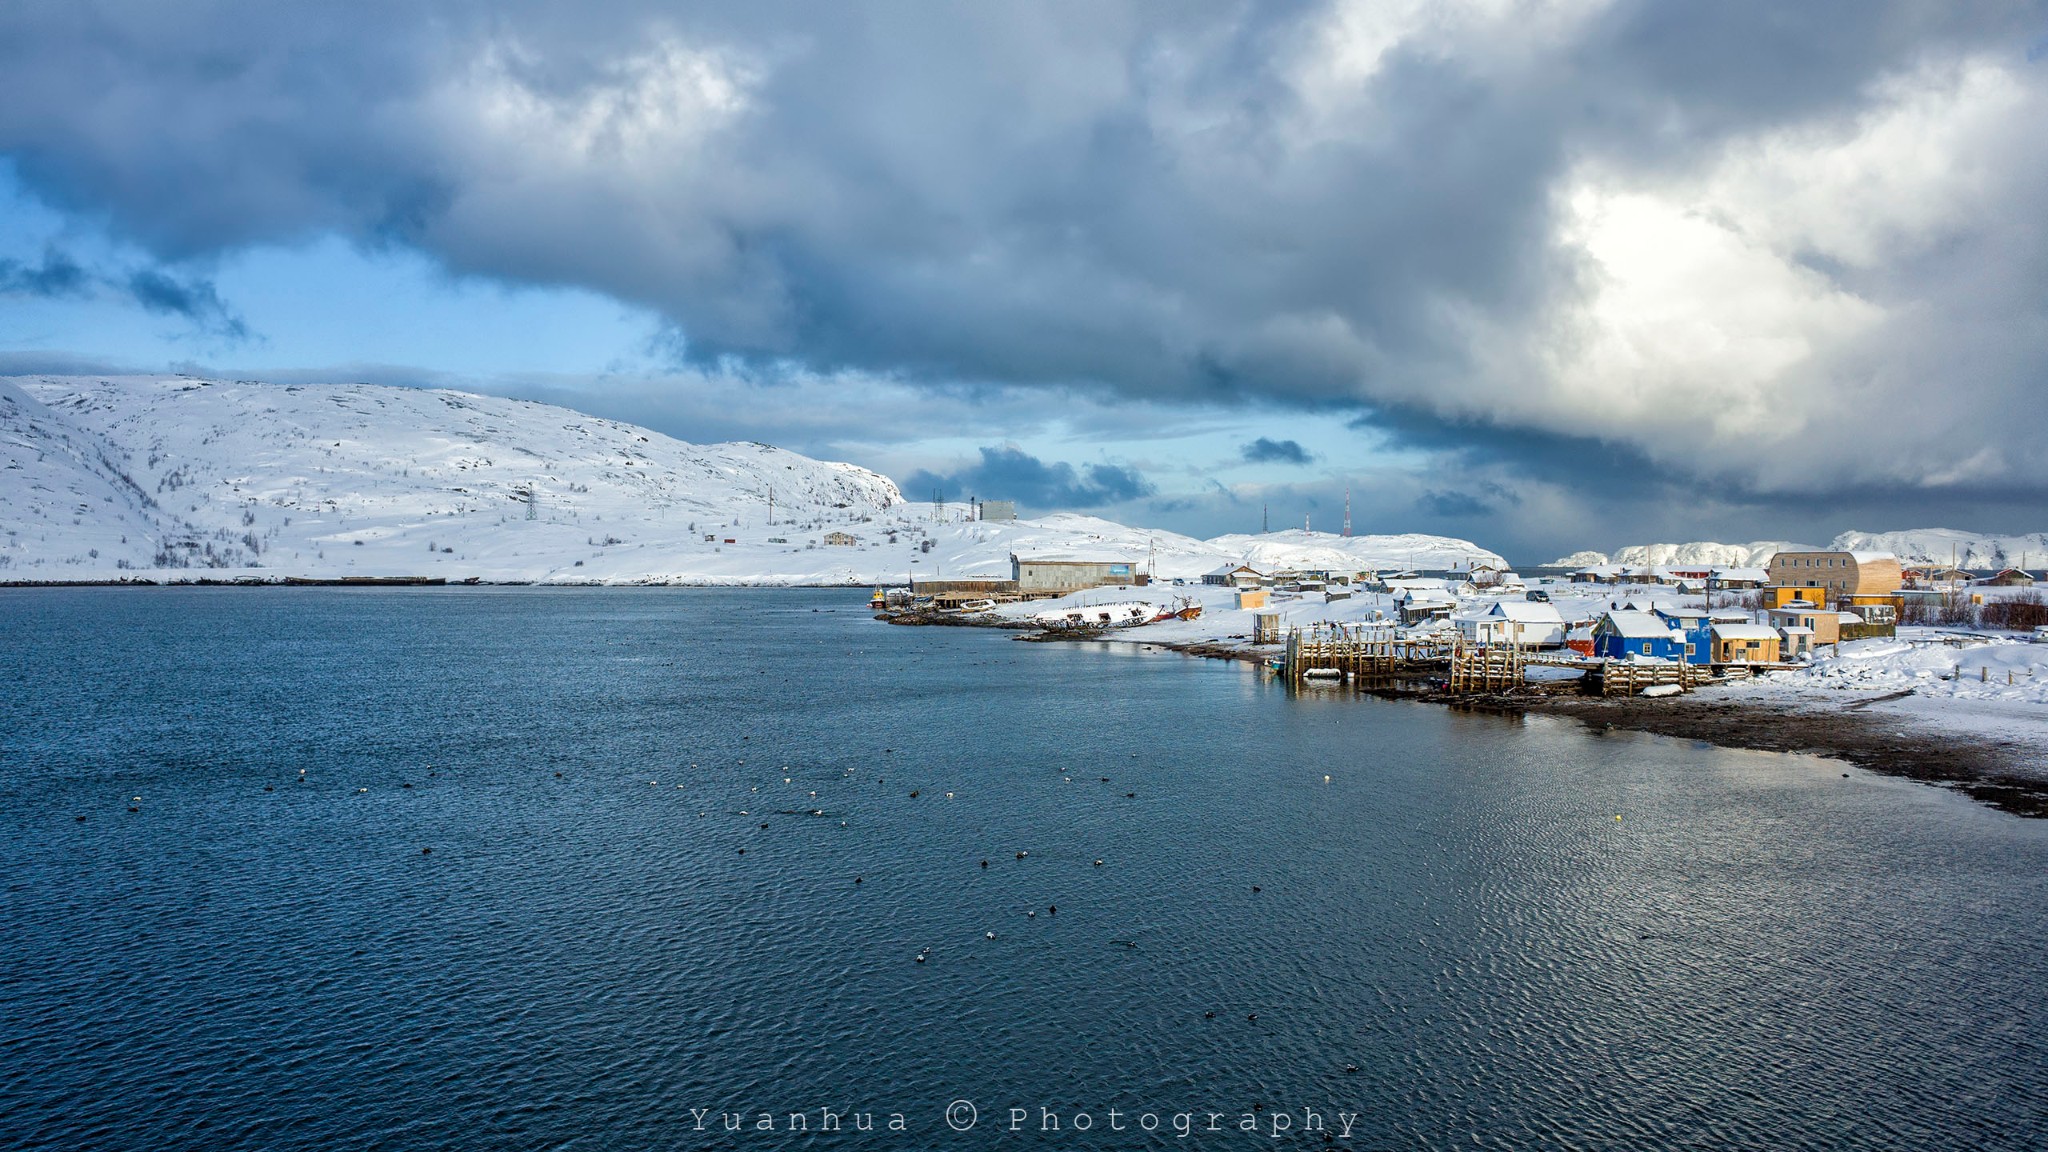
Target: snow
[
  {"x": 1299, "y": 549},
  {"x": 178, "y": 478},
  {"x": 1982, "y": 685},
  {"x": 1914, "y": 546},
  {"x": 1640, "y": 625},
  {"x": 1938, "y": 545},
  {"x": 1699, "y": 554}
]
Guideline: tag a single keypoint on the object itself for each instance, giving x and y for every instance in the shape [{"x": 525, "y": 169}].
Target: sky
[{"x": 1542, "y": 274}]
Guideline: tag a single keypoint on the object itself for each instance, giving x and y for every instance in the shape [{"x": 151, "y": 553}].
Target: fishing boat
[{"x": 1093, "y": 617}]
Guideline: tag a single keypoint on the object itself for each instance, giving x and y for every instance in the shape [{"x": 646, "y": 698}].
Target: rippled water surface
[{"x": 587, "y": 869}]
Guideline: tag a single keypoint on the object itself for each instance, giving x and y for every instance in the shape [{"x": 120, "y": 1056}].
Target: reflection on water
[{"x": 525, "y": 868}]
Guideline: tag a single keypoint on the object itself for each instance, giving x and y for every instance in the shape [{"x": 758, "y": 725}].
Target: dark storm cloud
[
  {"x": 55, "y": 275},
  {"x": 1010, "y": 473},
  {"x": 1454, "y": 505},
  {"x": 190, "y": 297},
  {"x": 154, "y": 289},
  {"x": 1192, "y": 202},
  {"x": 1269, "y": 451}
]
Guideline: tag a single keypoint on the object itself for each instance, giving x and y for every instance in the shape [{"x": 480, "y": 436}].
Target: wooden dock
[
  {"x": 1376, "y": 654},
  {"x": 1490, "y": 668},
  {"x": 1359, "y": 653}
]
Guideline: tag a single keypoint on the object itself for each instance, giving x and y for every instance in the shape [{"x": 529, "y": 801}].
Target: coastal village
[{"x": 1487, "y": 629}]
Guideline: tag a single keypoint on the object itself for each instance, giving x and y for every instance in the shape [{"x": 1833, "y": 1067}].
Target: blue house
[
  {"x": 1698, "y": 629},
  {"x": 1623, "y": 634}
]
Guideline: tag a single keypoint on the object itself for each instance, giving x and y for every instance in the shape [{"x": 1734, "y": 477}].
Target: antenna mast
[{"x": 1347, "y": 510}]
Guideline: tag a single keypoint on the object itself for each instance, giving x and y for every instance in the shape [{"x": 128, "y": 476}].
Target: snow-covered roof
[
  {"x": 1599, "y": 570},
  {"x": 1744, "y": 632},
  {"x": 1426, "y": 596},
  {"x": 1639, "y": 626},
  {"x": 1232, "y": 569},
  {"x": 1757, "y": 574},
  {"x": 1072, "y": 558},
  {"x": 1675, "y": 612},
  {"x": 1796, "y": 630},
  {"x": 1867, "y": 557},
  {"x": 1528, "y": 612}
]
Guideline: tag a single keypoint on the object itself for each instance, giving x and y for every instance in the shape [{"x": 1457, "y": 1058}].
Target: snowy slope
[
  {"x": 1582, "y": 559},
  {"x": 1918, "y": 545},
  {"x": 177, "y": 478},
  {"x": 1297, "y": 548},
  {"x": 1938, "y": 545},
  {"x": 67, "y": 501},
  {"x": 1753, "y": 555}
]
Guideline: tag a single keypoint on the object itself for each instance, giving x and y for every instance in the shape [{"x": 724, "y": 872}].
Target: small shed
[
  {"x": 1525, "y": 623},
  {"x": 1794, "y": 643},
  {"x": 1234, "y": 575},
  {"x": 1824, "y": 624},
  {"x": 1251, "y": 598},
  {"x": 1745, "y": 644},
  {"x": 1416, "y": 607}
]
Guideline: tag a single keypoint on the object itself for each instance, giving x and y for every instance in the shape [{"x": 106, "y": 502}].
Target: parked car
[
  {"x": 1538, "y": 595},
  {"x": 2041, "y": 633}
]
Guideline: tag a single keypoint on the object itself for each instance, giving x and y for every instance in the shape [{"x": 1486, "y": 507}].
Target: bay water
[{"x": 609, "y": 868}]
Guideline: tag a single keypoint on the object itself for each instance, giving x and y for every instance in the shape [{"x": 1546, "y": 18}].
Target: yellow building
[
  {"x": 1745, "y": 644},
  {"x": 1826, "y": 578}
]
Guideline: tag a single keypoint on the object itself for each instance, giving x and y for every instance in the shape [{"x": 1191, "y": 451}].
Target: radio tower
[
  {"x": 1265, "y": 521},
  {"x": 1347, "y": 510}
]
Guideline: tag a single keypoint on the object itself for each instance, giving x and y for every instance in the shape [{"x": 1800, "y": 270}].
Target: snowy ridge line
[
  {"x": 171, "y": 478},
  {"x": 1942, "y": 546}
]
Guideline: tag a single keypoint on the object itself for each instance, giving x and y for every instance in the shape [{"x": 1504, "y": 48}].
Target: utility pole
[
  {"x": 771, "y": 505},
  {"x": 1265, "y": 520}
]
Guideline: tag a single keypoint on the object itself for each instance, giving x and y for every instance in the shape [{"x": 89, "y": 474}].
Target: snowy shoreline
[{"x": 1967, "y": 711}]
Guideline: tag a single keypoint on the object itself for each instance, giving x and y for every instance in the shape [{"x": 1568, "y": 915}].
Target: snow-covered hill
[
  {"x": 1917, "y": 545},
  {"x": 176, "y": 478},
  {"x": 1298, "y": 548},
  {"x": 1941, "y": 545}
]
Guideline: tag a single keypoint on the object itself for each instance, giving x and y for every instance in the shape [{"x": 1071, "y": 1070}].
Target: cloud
[
  {"x": 1268, "y": 451},
  {"x": 1010, "y": 473},
  {"x": 56, "y": 276},
  {"x": 192, "y": 298},
  {"x": 1734, "y": 242},
  {"x": 155, "y": 289},
  {"x": 1454, "y": 505}
]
